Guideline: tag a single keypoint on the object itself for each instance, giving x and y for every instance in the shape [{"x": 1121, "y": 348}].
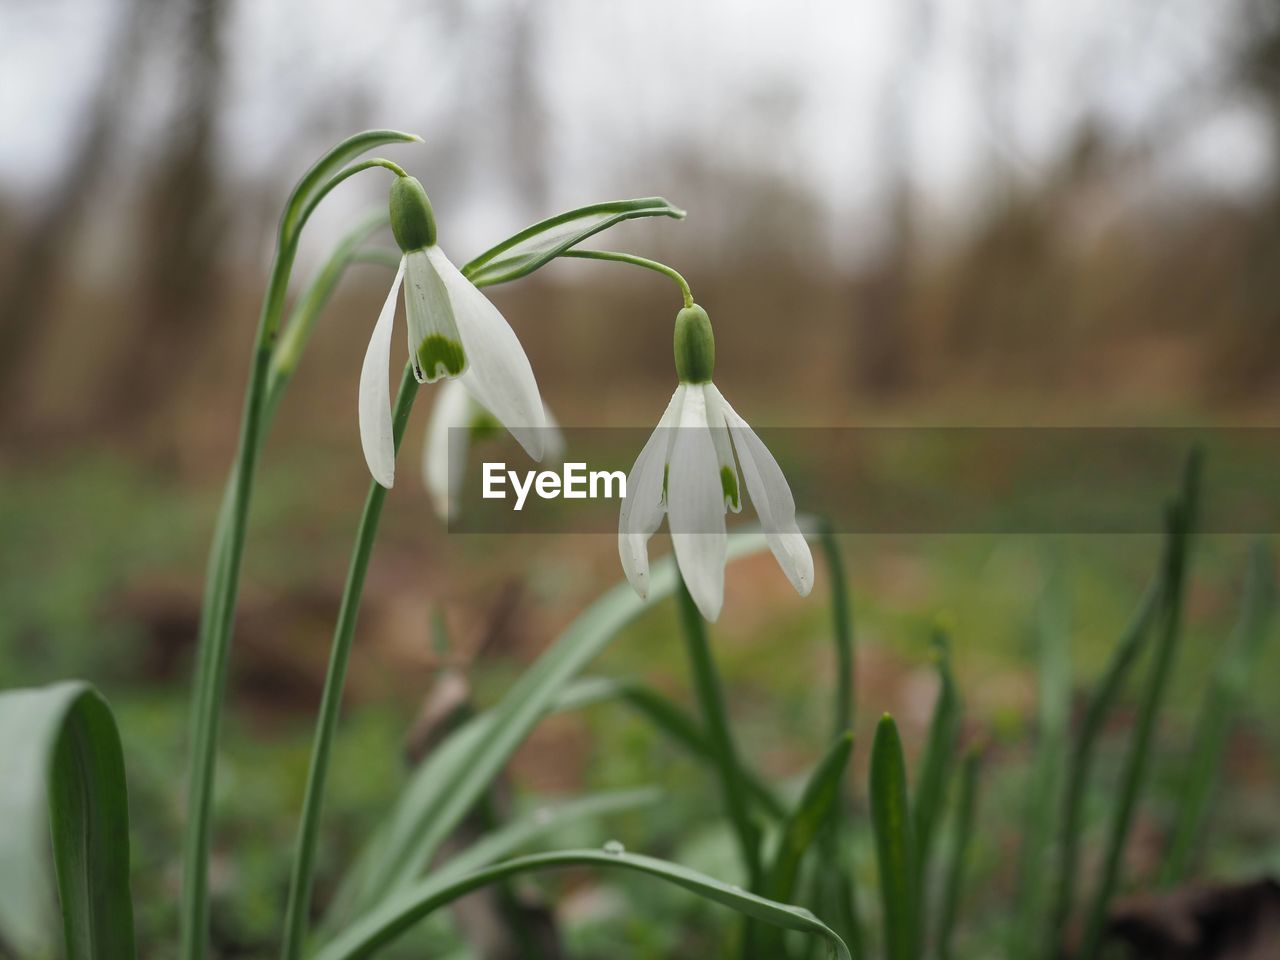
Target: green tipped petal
[
  {"x": 729, "y": 483},
  {"x": 438, "y": 356}
]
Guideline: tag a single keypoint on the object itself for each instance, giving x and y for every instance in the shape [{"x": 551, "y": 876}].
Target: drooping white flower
[
  {"x": 454, "y": 331},
  {"x": 688, "y": 472},
  {"x": 456, "y": 419}
]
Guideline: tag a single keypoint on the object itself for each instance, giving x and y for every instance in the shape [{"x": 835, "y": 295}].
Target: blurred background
[{"x": 982, "y": 212}]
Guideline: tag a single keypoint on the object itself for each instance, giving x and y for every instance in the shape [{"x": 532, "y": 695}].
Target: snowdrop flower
[
  {"x": 456, "y": 419},
  {"x": 687, "y": 471},
  {"x": 454, "y": 331}
]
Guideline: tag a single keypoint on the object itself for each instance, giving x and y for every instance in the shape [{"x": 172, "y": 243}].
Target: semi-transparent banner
[{"x": 875, "y": 479}]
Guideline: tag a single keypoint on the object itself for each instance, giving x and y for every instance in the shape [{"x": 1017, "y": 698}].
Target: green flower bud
[
  {"x": 695, "y": 346},
  {"x": 412, "y": 221}
]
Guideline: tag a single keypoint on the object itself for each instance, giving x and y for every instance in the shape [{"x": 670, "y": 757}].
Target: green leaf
[
  {"x": 1031, "y": 930},
  {"x": 529, "y": 249},
  {"x": 519, "y": 833},
  {"x": 1101, "y": 701},
  {"x": 1230, "y": 683},
  {"x": 399, "y": 913},
  {"x": 452, "y": 780},
  {"x": 935, "y": 767},
  {"x": 315, "y": 183},
  {"x": 63, "y": 777},
  {"x": 895, "y": 843},
  {"x": 965, "y": 812},
  {"x": 670, "y": 719},
  {"x": 1180, "y": 522},
  {"x": 802, "y": 826}
]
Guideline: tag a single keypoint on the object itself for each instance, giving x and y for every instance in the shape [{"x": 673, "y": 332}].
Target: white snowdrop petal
[
  {"x": 643, "y": 507},
  {"x": 376, "y": 436},
  {"x": 444, "y": 454},
  {"x": 695, "y": 506},
  {"x": 771, "y": 496},
  {"x": 728, "y": 471},
  {"x": 435, "y": 346},
  {"x": 498, "y": 373}
]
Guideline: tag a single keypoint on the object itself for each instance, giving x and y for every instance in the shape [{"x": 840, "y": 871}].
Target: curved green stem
[
  {"x": 300, "y": 879},
  {"x": 636, "y": 261},
  {"x": 223, "y": 578}
]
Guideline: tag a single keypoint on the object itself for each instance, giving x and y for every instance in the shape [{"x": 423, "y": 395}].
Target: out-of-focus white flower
[
  {"x": 454, "y": 331},
  {"x": 456, "y": 419},
  {"x": 687, "y": 472}
]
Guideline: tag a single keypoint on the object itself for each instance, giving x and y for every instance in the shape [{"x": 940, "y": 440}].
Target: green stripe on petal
[
  {"x": 438, "y": 356},
  {"x": 729, "y": 484}
]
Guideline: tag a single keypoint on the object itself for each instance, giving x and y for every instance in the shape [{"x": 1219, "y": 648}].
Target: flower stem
[
  {"x": 222, "y": 580},
  {"x": 301, "y": 877},
  {"x": 632, "y": 259},
  {"x": 714, "y": 715}
]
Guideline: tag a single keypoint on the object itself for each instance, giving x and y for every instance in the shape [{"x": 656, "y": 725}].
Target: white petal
[
  {"x": 643, "y": 507},
  {"x": 435, "y": 346},
  {"x": 772, "y": 498},
  {"x": 695, "y": 506},
  {"x": 498, "y": 373},
  {"x": 375, "y": 393},
  {"x": 552, "y": 439},
  {"x": 728, "y": 472},
  {"x": 444, "y": 455}
]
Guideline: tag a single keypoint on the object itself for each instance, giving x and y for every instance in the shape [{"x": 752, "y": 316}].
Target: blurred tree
[{"x": 25, "y": 292}]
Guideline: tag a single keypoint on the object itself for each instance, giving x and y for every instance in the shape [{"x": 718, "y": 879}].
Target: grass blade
[
  {"x": 935, "y": 767},
  {"x": 451, "y": 781},
  {"x": 895, "y": 843},
  {"x": 398, "y": 914},
  {"x": 1123, "y": 657},
  {"x": 64, "y": 778},
  {"x": 675, "y": 722},
  {"x": 836, "y": 882},
  {"x": 803, "y": 825},
  {"x": 715, "y": 718},
  {"x": 1180, "y": 522},
  {"x": 1052, "y": 722},
  {"x": 965, "y": 813},
  {"x": 811, "y": 815},
  {"x": 1230, "y": 683}
]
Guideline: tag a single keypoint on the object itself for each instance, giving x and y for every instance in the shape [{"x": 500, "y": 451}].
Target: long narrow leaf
[
  {"x": 955, "y": 881},
  {"x": 63, "y": 777},
  {"x": 935, "y": 766},
  {"x": 808, "y": 818},
  {"x": 1180, "y": 521},
  {"x": 895, "y": 843},
  {"x": 1230, "y": 683},
  {"x": 399, "y": 913},
  {"x": 1030, "y": 931},
  {"x": 529, "y": 249},
  {"x": 1101, "y": 702},
  {"x": 456, "y": 775}
]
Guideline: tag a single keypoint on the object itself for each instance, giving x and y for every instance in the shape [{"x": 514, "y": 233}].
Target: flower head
[
  {"x": 688, "y": 471},
  {"x": 454, "y": 332}
]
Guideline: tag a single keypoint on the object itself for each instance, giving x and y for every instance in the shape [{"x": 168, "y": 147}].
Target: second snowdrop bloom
[
  {"x": 688, "y": 472},
  {"x": 457, "y": 419},
  {"x": 454, "y": 331}
]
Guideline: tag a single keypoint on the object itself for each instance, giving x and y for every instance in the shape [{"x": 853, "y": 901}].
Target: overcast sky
[{"x": 799, "y": 89}]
